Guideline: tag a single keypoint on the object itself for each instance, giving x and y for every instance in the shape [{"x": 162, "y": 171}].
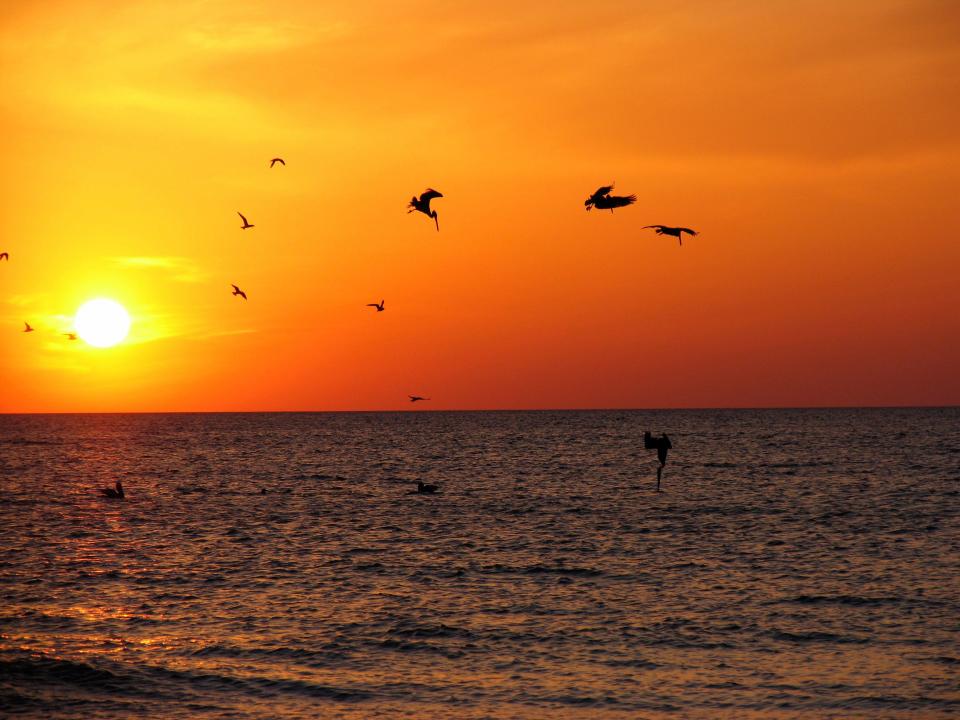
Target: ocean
[{"x": 798, "y": 564}]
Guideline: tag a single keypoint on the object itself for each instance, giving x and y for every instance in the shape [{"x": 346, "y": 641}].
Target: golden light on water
[{"x": 102, "y": 322}]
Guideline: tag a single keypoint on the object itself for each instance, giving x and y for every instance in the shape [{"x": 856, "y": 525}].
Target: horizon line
[{"x": 489, "y": 410}]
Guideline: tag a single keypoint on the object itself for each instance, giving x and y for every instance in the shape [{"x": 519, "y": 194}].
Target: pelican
[
  {"x": 423, "y": 205},
  {"x": 245, "y": 223},
  {"x": 274, "y": 161},
  {"x": 114, "y": 494},
  {"x": 603, "y": 200},
  {"x": 238, "y": 291},
  {"x": 378, "y": 307},
  {"x": 26, "y": 327},
  {"x": 4, "y": 256},
  {"x": 70, "y": 336},
  {"x": 426, "y": 489},
  {"x": 677, "y": 232},
  {"x": 415, "y": 398}
]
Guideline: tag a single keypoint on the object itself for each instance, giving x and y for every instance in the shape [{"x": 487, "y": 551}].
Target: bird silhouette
[
  {"x": 26, "y": 327},
  {"x": 378, "y": 307},
  {"x": 238, "y": 291},
  {"x": 4, "y": 256},
  {"x": 426, "y": 489},
  {"x": 416, "y": 398},
  {"x": 422, "y": 204},
  {"x": 70, "y": 336},
  {"x": 603, "y": 200},
  {"x": 676, "y": 232},
  {"x": 115, "y": 494},
  {"x": 245, "y": 223},
  {"x": 277, "y": 160}
]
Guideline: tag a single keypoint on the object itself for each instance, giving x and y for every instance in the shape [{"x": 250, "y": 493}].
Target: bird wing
[
  {"x": 277, "y": 160},
  {"x": 605, "y": 190},
  {"x": 429, "y": 194},
  {"x": 687, "y": 230},
  {"x": 655, "y": 227},
  {"x": 243, "y": 218},
  {"x": 372, "y": 305},
  {"x": 614, "y": 201},
  {"x": 236, "y": 289},
  {"x": 4, "y": 256}
]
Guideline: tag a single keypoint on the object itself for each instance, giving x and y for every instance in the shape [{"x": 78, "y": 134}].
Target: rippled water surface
[{"x": 798, "y": 564}]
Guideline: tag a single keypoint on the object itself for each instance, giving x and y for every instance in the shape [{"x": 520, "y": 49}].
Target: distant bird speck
[
  {"x": 277, "y": 160},
  {"x": 378, "y": 307},
  {"x": 245, "y": 223},
  {"x": 4, "y": 256},
  {"x": 26, "y": 327},
  {"x": 70, "y": 336},
  {"x": 416, "y": 398},
  {"x": 676, "y": 232},
  {"x": 603, "y": 200},
  {"x": 238, "y": 291},
  {"x": 422, "y": 204}
]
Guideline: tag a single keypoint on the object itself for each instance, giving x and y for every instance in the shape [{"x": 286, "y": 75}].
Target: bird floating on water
[
  {"x": 116, "y": 494},
  {"x": 238, "y": 291},
  {"x": 70, "y": 336},
  {"x": 426, "y": 489},
  {"x": 676, "y": 232},
  {"x": 245, "y": 223},
  {"x": 422, "y": 204},
  {"x": 4, "y": 256},
  {"x": 416, "y": 398},
  {"x": 26, "y": 327},
  {"x": 603, "y": 200},
  {"x": 378, "y": 307},
  {"x": 274, "y": 161}
]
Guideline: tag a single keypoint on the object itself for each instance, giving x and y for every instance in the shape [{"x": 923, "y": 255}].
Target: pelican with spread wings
[
  {"x": 422, "y": 204},
  {"x": 603, "y": 200},
  {"x": 676, "y": 232}
]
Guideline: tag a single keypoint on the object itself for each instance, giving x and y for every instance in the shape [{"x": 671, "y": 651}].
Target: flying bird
[
  {"x": 4, "y": 256},
  {"x": 422, "y": 204},
  {"x": 378, "y": 307},
  {"x": 245, "y": 223},
  {"x": 277, "y": 160},
  {"x": 415, "y": 398},
  {"x": 70, "y": 336},
  {"x": 676, "y": 232},
  {"x": 26, "y": 327},
  {"x": 238, "y": 291},
  {"x": 603, "y": 200}
]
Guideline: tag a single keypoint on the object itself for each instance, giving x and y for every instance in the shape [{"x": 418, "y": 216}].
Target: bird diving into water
[
  {"x": 245, "y": 223},
  {"x": 378, "y": 307},
  {"x": 422, "y": 204},
  {"x": 274, "y": 161},
  {"x": 238, "y": 291},
  {"x": 676, "y": 232},
  {"x": 416, "y": 398},
  {"x": 603, "y": 200},
  {"x": 26, "y": 327}
]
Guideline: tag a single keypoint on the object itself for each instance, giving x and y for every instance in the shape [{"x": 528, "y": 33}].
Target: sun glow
[{"x": 102, "y": 323}]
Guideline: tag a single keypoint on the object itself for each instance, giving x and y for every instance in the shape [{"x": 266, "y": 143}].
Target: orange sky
[{"x": 815, "y": 145}]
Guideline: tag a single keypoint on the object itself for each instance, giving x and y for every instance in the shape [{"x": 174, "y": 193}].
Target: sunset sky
[{"x": 814, "y": 144}]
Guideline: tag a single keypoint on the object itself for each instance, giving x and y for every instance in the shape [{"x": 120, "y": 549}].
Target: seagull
[
  {"x": 114, "y": 494},
  {"x": 603, "y": 200},
  {"x": 677, "y": 232},
  {"x": 4, "y": 256},
  {"x": 423, "y": 205},
  {"x": 238, "y": 291},
  {"x": 378, "y": 307},
  {"x": 245, "y": 223},
  {"x": 26, "y": 327},
  {"x": 277, "y": 160},
  {"x": 415, "y": 398},
  {"x": 70, "y": 336}
]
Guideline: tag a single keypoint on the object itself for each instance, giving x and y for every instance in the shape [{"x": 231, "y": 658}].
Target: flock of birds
[{"x": 601, "y": 199}]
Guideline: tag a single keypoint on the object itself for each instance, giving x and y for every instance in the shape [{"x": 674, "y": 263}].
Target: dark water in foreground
[{"x": 799, "y": 564}]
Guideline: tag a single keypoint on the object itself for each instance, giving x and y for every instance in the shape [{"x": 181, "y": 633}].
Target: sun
[{"x": 102, "y": 323}]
